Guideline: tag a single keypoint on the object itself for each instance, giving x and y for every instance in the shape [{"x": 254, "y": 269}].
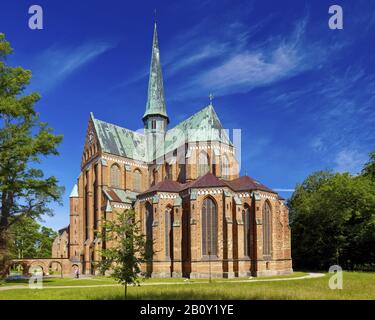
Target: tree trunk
[
  {"x": 4, "y": 257},
  {"x": 126, "y": 290},
  {"x": 4, "y": 215}
]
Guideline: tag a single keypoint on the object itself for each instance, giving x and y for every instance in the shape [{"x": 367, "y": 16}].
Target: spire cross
[{"x": 211, "y": 98}]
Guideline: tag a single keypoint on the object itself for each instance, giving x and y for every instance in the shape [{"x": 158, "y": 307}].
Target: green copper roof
[
  {"x": 108, "y": 207},
  {"x": 155, "y": 96},
  {"x": 120, "y": 141},
  {"x": 202, "y": 126},
  {"x": 74, "y": 192}
]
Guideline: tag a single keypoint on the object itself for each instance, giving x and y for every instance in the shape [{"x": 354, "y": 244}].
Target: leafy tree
[
  {"x": 126, "y": 249},
  {"x": 369, "y": 168},
  {"x": 27, "y": 239},
  {"x": 333, "y": 221},
  {"x": 24, "y": 140},
  {"x": 23, "y": 238},
  {"x": 46, "y": 238}
]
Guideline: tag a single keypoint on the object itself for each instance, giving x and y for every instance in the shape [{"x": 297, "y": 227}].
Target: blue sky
[{"x": 302, "y": 94}]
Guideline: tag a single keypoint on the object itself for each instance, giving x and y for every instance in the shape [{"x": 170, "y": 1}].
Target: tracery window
[
  {"x": 115, "y": 176},
  {"x": 267, "y": 231},
  {"x": 247, "y": 223},
  {"x": 169, "y": 232},
  {"x": 137, "y": 180},
  {"x": 203, "y": 163},
  {"x": 209, "y": 227},
  {"x": 225, "y": 167}
]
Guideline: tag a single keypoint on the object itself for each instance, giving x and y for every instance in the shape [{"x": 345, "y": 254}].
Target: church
[{"x": 203, "y": 218}]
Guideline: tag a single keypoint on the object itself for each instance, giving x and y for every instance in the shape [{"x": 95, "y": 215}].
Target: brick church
[{"x": 184, "y": 183}]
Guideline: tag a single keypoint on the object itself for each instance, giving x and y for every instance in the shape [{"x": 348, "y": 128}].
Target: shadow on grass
[{"x": 25, "y": 281}]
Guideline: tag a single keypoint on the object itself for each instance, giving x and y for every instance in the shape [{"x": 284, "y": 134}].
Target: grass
[{"x": 357, "y": 285}]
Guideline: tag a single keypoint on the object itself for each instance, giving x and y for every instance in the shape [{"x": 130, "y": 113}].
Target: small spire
[
  {"x": 211, "y": 96},
  {"x": 155, "y": 16}
]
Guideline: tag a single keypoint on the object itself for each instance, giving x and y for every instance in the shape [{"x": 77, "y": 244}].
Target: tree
[
  {"x": 23, "y": 238},
  {"x": 28, "y": 239},
  {"x": 333, "y": 221},
  {"x": 24, "y": 140},
  {"x": 369, "y": 168},
  {"x": 46, "y": 238},
  {"x": 127, "y": 248}
]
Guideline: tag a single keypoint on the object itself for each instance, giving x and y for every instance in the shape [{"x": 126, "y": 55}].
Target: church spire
[{"x": 155, "y": 97}]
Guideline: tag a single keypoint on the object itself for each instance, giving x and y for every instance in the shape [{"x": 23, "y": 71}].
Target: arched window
[
  {"x": 168, "y": 171},
  {"x": 169, "y": 232},
  {"x": 209, "y": 227},
  {"x": 203, "y": 163},
  {"x": 267, "y": 231},
  {"x": 149, "y": 234},
  {"x": 137, "y": 180},
  {"x": 154, "y": 177},
  {"x": 247, "y": 223},
  {"x": 225, "y": 167},
  {"x": 115, "y": 176}
]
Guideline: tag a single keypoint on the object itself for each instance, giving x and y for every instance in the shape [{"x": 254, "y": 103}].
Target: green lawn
[{"x": 357, "y": 285}]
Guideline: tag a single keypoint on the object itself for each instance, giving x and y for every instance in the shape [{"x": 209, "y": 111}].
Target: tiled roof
[
  {"x": 61, "y": 231},
  {"x": 165, "y": 186},
  {"x": 246, "y": 183},
  {"x": 119, "y": 195},
  {"x": 208, "y": 180}
]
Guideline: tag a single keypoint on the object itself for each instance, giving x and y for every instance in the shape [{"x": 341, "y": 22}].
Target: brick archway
[{"x": 65, "y": 264}]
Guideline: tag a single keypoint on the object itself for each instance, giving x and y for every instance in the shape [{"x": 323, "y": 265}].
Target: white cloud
[
  {"x": 317, "y": 144},
  {"x": 56, "y": 63},
  {"x": 240, "y": 66},
  {"x": 350, "y": 161},
  {"x": 246, "y": 70},
  {"x": 282, "y": 190}
]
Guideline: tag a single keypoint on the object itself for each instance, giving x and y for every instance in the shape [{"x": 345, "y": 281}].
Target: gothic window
[
  {"x": 209, "y": 227},
  {"x": 225, "y": 167},
  {"x": 137, "y": 180},
  {"x": 149, "y": 233},
  {"x": 203, "y": 164},
  {"x": 168, "y": 170},
  {"x": 154, "y": 177},
  {"x": 115, "y": 176},
  {"x": 267, "y": 231},
  {"x": 169, "y": 232},
  {"x": 247, "y": 231},
  {"x": 153, "y": 124}
]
